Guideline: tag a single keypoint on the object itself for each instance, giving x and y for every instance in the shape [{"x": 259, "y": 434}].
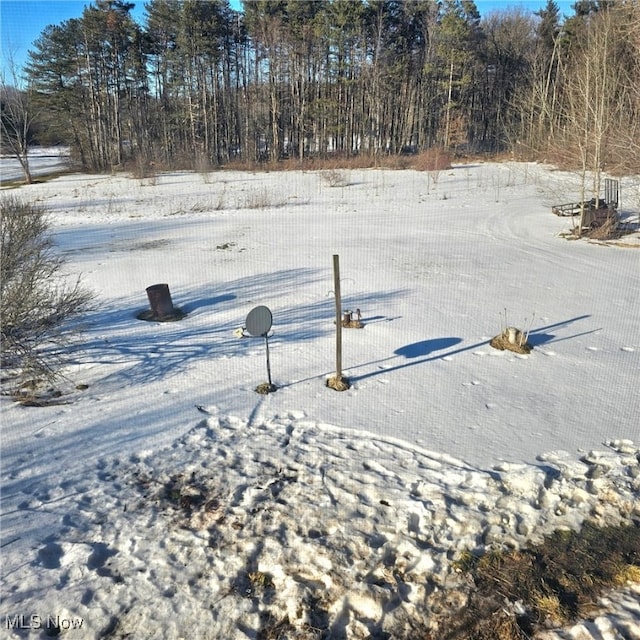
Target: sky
[{"x": 22, "y": 21}]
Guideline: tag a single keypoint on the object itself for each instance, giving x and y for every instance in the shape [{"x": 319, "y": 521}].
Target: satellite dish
[{"x": 259, "y": 321}]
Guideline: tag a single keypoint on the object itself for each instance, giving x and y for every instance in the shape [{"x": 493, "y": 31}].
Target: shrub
[
  {"x": 35, "y": 298},
  {"x": 335, "y": 178},
  {"x": 433, "y": 159}
]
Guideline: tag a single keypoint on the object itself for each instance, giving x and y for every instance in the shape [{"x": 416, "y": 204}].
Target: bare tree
[
  {"x": 35, "y": 298},
  {"x": 626, "y": 144},
  {"x": 595, "y": 96},
  {"x": 17, "y": 117}
]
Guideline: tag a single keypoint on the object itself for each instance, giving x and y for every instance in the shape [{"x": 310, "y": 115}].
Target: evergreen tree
[{"x": 460, "y": 40}]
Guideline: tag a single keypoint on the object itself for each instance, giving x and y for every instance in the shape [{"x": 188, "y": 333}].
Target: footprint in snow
[
  {"x": 50, "y": 555},
  {"x": 287, "y": 439}
]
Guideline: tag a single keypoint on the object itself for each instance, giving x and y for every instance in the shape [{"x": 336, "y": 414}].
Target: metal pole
[
  {"x": 266, "y": 342},
  {"x": 336, "y": 288}
]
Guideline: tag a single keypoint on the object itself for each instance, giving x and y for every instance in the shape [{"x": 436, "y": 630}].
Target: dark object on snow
[
  {"x": 511, "y": 339},
  {"x": 352, "y": 319},
  {"x": 160, "y": 300},
  {"x": 258, "y": 324},
  {"x": 597, "y": 212},
  {"x": 162, "y": 309}
]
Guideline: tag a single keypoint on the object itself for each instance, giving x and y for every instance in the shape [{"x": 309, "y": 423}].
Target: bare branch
[{"x": 36, "y": 300}]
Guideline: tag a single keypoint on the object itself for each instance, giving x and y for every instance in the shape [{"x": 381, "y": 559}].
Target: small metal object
[
  {"x": 160, "y": 301},
  {"x": 259, "y": 321}
]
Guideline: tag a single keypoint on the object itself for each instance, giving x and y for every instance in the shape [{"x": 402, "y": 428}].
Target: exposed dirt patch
[
  {"x": 266, "y": 388},
  {"x": 552, "y": 584}
]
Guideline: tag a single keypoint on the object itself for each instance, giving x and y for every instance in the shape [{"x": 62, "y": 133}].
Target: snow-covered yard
[
  {"x": 168, "y": 499},
  {"x": 42, "y": 161}
]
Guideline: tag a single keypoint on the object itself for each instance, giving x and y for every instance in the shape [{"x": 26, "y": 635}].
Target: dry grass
[
  {"x": 502, "y": 343},
  {"x": 261, "y": 199},
  {"x": 338, "y": 383},
  {"x": 555, "y": 583},
  {"x": 429, "y": 160},
  {"x": 566, "y": 156},
  {"x": 15, "y": 183},
  {"x": 352, "y": 320},
  {"x": 266, "y": 388},
  {"x": 284, "y": 630},
  {"x": 605, "y": 231},
  {"x": 353, "y": 324},
  {"x": 627, "y": 573},
  {"x": 50, "y": 397}
]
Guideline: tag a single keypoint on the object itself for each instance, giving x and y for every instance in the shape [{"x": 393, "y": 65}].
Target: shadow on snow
[
  {"x": 425, "y": 348},
  {"x": 148, "y": 351}
]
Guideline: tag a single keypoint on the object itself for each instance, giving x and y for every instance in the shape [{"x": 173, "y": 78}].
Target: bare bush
[
  {"x": 605, "y": 231},
  {"x": 262, "y": 199},
  {"x": 433, "y": 160},
  {"x": 35, "y": 298},
  {"x": 145, "y": 171},
  {"x": 336, "y": 178}
]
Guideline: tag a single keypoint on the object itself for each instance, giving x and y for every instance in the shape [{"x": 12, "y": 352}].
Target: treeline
[{"x": 199, "y": 84}]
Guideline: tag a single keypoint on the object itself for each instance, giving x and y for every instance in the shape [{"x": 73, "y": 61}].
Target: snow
[
  {"x": 169, "y": 499},
  {"x": 42, "y": 160}
]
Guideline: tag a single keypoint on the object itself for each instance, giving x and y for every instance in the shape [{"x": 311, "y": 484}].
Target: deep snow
[{"x": 169, "y": 499}]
